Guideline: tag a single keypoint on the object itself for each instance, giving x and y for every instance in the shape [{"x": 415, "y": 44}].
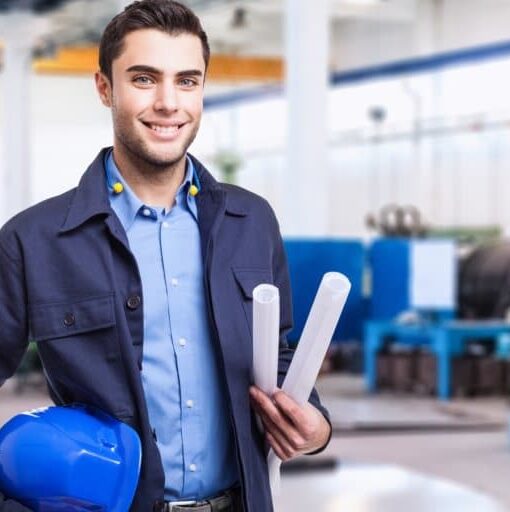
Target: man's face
[{"x": 157, "y": 95}]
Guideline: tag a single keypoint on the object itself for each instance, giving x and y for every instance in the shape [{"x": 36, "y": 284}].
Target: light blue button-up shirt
[{"x": 183, "y": 386}]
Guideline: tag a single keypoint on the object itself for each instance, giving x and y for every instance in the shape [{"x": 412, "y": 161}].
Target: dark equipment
[{"x": 484, "y": 283}]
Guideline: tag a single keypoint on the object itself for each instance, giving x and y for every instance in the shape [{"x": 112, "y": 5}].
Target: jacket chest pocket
[
  {"x": 80, "y": 350},
  {"x": 247, "y": 279},
  {"x": 92, "y": 318}
]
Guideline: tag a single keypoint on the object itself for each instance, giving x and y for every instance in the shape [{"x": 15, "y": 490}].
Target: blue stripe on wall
[
  {"x": 232, "y": 98},
  {"x": 391, "y": 69}
]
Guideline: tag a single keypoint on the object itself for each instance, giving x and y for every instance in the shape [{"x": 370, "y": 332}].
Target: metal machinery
[
  {"x": 432, "y": 309},
  {"x": 309, "y": 260}
]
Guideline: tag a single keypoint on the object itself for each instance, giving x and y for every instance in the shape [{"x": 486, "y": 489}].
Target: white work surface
[{"x": 377, "y": 488}]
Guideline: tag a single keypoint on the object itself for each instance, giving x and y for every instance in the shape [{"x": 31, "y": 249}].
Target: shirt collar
[
  {"x": 92, "y": 198},
  {"x": 127, "y": 205}
]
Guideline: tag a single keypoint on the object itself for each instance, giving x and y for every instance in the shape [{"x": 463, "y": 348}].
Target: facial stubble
[{"x": 147, "y": 162}]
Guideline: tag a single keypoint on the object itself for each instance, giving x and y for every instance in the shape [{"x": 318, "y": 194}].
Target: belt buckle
[{"x": 171, "y": 505}]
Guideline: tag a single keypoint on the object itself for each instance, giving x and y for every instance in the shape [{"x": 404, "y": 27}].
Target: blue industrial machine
[
  {"x": 413, "y": 274},
  {"x": 309, "y": 260},
  {"x": 388, "y": 260},
  {"x": 414, "y": 301},
  {"x": 415, "y": 289}
]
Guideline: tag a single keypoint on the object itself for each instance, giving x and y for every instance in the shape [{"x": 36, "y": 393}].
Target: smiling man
[
  {"x": 155, "y": 90},
  {"x": 137, "y": 285}
]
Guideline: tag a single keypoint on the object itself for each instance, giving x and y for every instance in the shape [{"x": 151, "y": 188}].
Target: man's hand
[{"x": 291, "y": 429}]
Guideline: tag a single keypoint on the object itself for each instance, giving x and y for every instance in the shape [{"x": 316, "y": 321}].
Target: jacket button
[
  {"x": 69, "y": 319},
  {"x": 133, "y": 302}
]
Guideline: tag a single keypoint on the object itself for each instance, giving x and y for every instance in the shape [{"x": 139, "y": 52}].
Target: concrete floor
[
  {"x": 477, "y": 459},
  {"x": 461, "y": 463},
  {"x": 378, "y": 488}
]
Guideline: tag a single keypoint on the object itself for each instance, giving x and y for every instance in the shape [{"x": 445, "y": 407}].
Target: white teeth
[{"x": 164, "y": 129}]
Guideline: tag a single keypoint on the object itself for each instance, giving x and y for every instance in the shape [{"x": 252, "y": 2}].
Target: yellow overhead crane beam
[
  {"x": 69, "y": 61},
  {"x": 222, "y": 68},
  {"x": 227, "y": 68}
]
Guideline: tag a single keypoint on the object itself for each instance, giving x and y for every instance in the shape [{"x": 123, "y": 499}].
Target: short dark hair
[{"x": 165, "y": 15}]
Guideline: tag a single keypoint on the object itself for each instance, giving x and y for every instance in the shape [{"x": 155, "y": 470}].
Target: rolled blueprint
[
  {"x": 266, "y": 331},
  {"x": 326, "y": 309}
]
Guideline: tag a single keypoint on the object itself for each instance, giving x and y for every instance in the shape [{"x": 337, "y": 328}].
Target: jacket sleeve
[
  {"x": 282, "y": 281},
  {"x": 13, "y": 319},
  {"x": 13, "y": 316}
]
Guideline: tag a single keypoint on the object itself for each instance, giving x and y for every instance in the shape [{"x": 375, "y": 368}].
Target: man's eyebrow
[
  {"x": 141, "y": 68},
  {"x": 145, "y": 69},
  {"x": 189, "y": 72}
]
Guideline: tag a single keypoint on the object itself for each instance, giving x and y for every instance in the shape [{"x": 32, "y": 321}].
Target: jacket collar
[
  {"x": 91, "y": 196},
  {"x": 234, "y": 204}
]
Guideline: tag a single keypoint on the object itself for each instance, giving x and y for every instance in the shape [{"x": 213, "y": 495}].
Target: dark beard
[{"x": 147, "y": 163}]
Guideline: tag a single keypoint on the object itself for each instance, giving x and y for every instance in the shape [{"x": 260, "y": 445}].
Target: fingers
[
  {"x": 285, "y": 444},
  {"x": 291, "y": 429},
  {"x": 290, "y": 408},
  {"x": 270, "y": 413},
  {"x": 277, "y": 448},
  {"x": 284, "y": 438},
  {"x": 282, "y": 406}
]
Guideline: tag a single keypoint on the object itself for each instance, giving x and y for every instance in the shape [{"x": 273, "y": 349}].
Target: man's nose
[{"x": 167, "y": 99}]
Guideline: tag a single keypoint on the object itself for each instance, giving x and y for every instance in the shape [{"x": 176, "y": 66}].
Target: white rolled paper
[
  {"x": 273, "y": 466},
  {"x": 316, "y": 336},
  {"x": 266, "y": 333},
  {"x": 320, "y": 325}
]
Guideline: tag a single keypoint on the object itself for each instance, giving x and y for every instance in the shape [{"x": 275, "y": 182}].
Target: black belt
[{"x": 229, "y": 501}]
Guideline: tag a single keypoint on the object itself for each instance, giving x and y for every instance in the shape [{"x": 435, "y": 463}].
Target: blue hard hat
[{"x": 72, "y": 458}]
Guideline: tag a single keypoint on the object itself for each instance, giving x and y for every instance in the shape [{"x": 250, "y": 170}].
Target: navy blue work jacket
[{"x": 69, "y": 282}]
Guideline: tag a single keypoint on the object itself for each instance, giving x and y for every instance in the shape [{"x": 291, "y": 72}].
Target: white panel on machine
[{"x": 433, "y": 274}]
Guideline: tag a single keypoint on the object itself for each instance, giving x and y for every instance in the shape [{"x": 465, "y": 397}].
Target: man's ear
[{"x": 104, "y": 88}]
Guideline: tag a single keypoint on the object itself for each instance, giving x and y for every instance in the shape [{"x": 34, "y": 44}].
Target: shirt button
[
  {"x": 146, "y": 212},
  {"x": 182, "y": 342},
  {"x": 165, "y": 224},
  {"x": 192, "y": 467},
  {"x": 174, "y": 281},
  {"x": 189, "y": 404},
  {"x": 69, "y": 319},
  {"x": 133, "y": 302}
]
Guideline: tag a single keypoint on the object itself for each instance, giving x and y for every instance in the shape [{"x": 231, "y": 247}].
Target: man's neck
[{"x": 154, "y": 186}]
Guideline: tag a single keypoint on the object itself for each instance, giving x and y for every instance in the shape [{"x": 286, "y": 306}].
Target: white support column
[
  {"x": 307, "y": 188},
  {"x": 15, "y": 186},
  {"x": 429, "y": 174}
]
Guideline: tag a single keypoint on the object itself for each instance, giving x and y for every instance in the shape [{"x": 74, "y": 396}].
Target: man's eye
[
  {"x": 143, "y": 80},
  {"x": 188, "y": 82}
]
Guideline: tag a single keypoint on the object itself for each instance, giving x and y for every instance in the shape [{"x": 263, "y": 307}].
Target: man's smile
[{"x": 167, "y": 131}]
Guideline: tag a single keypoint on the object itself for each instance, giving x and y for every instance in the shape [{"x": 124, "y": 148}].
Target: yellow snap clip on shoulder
[
  {"x": 193, "y": 190},
  {"x": 118, "y": 187}
]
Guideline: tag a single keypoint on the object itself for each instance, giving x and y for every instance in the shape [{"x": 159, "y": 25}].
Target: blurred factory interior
[{"x": 379, "y": 132}]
